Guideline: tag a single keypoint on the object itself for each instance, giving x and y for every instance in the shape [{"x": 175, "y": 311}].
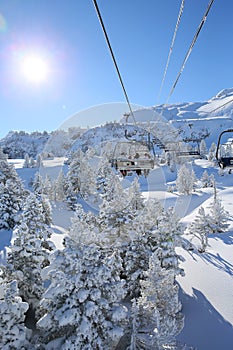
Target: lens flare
[{"x": 3, "y": 24}]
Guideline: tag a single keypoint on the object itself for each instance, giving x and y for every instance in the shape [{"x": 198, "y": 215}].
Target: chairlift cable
[
  {"x": 190, "y": 48},
  {"x": 113, "y": 57},
  {"x": 171, "y": 47}
]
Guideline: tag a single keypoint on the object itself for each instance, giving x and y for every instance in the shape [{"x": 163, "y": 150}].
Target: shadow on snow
[{"x": 204, "y": 327}]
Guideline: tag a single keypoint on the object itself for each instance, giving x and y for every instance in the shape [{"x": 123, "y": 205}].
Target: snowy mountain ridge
[
  {"x": 16, "y": 144},
  {"x": 193, "y": 120},
  {"x": 187, "y": 119}
]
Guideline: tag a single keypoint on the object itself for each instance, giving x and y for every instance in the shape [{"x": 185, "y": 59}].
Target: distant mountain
[
  {"x": 185, "y": 121},
  {"x": 189, "y": 119},
  {"x": 17, "y": 144}
]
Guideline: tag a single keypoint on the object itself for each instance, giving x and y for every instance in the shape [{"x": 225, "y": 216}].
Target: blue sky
[{"x": 68, "y": 36}]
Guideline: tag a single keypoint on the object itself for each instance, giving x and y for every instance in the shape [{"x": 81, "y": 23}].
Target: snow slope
[{"x": 207, "y": 288}]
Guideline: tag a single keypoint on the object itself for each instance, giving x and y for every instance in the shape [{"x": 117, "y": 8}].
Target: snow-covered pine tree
[
  {"x": 12, "y": 194},
  {"x": 26, "y": 163},
  {"x": 212, "y": 152},
  {"x": 203, "y": 149},
  {"x": 38, "y": 184},
  {"x": 159, "y": 307},
  {"x": 200, "y": 228},
  {"x": 47, "y": 209},
  {"x": 170, "y": 232},
  {"x": 205, "y": 179},
  {"x": 7, "y": 171},
  {"x": 212, "y": 182},
  {"x": 219, "y": 217},
  {"x": 84, "y": 228},
  {"x": 71, "y": 196},
  {"x": 140, "y": 241},
  {"x": 47, "y": 187},
  {"x": 185, "y": 180},
  {"x": 10, "y": 204},
  {"x": 81, "y": 177},
  {"x": 3, "y": 156},
  {"x": 34, "y": 216},
  {"x": 13, "y": 333},
  {"x": 103, "y": 173},
  {"x": 115, "y": 213},
  {"x": 39, "y": 161},
  {"x": 59, "y": 187},
  {"x": 152, "y": 230},
  {"x": 147, "y": 221},
  {"x": 82, "y": 303},
  {"x": 135, "y": 257},
  {"x": 30, "y": 251},
  {"x": 135, "y": 196},
  {"x": 42, "y": 185},
  {"x": 137, "y": 340},
  {"x": 32, "y": 162}
]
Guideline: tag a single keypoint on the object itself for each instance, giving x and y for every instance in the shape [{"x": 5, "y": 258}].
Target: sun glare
[{"x": 34, "y": 69}]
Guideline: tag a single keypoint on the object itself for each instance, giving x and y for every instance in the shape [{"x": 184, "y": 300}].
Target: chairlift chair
[
  {"x": 132, "y": 157},
  {"x": 224, "y": 151},
  {"x": 181, "y": 150}
]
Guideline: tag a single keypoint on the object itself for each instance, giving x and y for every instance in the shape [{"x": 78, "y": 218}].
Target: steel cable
[{"x": 113, "y": 57}]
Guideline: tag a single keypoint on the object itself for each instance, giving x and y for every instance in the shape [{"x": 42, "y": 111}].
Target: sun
[{"x": 34, "y": 68}]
